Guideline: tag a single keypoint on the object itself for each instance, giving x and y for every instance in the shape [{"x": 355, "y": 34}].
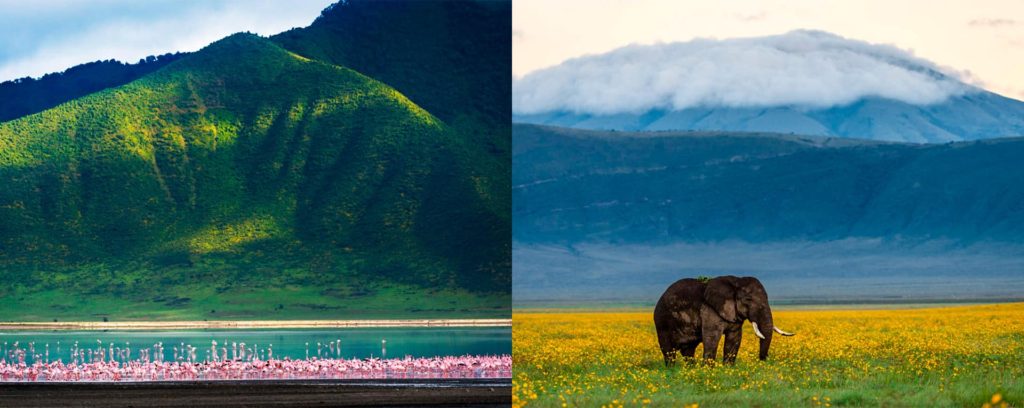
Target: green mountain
[
  {"x": 246, "y": 181},
  {"x": 453, "y": 58},
  {"x": 25, "y": 96},
  {"x": 431, "y": 51}
]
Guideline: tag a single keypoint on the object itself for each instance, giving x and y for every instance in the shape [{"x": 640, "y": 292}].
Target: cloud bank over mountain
[{"x": 808, "y": 69}]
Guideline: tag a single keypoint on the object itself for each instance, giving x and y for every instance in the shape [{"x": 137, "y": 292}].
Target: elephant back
[{"x": 680, "y": 304}]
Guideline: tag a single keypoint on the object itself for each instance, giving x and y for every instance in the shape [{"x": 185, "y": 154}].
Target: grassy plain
[
  {"x": 201, "y": 302},
  {"x": 934, "y": 357}
]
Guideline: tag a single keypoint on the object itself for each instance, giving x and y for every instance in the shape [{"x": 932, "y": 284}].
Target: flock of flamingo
[{"x": 238, "y": 362}]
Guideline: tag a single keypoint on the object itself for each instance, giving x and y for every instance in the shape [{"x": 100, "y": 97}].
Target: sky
[
  {"x": 982, "y": 40},
  {"x": 43, "y": 36}
]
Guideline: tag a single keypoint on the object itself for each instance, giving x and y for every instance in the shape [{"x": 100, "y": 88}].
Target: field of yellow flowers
[{"x": 937, "y": 357}]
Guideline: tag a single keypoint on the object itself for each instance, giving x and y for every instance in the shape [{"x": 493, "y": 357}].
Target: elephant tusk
[
  {"x": 756, "y": 331},
  {"x": 780, "y": 331}
]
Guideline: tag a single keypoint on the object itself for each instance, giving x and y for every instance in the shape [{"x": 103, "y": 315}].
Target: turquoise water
[{"x": 292, "y": 343}]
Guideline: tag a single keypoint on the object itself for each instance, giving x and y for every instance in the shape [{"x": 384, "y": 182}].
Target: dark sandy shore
[{"x": 269, "y": 393}]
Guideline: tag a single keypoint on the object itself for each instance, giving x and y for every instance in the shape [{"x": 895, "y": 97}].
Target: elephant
[{"x": 692, "y": 311}]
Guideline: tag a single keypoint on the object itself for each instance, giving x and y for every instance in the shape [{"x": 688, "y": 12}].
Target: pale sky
[
  {"x": 982, "y": 38},
  {"x": 43, "y": 36}
]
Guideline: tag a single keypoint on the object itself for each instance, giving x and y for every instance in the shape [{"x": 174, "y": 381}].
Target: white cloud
[
  {"x": 992, "y": 22},
  {"x": 53, "y": 36},
  {"x": 801, "y": 68}
]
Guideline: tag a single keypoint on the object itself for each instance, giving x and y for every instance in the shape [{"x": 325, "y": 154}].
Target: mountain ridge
[
  {"x": 875, "y": 119},
  {"x": 686, "y": 186},
  {"x": 25, "y": 96},
  {"x": 417, "y": 47}
]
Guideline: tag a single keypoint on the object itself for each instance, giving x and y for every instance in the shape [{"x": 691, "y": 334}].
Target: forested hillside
[
  {"x": 25, "y": 96},
  {"x": 453, "y": 58}
]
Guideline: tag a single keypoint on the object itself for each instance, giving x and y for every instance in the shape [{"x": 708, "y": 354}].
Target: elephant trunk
[{"x": 765, "y": 324}]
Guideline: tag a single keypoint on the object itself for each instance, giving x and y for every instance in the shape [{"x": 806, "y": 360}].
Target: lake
[{"x": 292, "y": 343}]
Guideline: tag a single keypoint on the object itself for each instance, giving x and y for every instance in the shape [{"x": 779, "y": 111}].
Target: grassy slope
[
  {"x": 243, "y": 182},
  {"x": 453, "y": 58},
  {"x": 958, "y": 356}
]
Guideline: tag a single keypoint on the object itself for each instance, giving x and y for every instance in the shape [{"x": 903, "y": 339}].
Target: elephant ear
[{"x": 721, "y": 296}]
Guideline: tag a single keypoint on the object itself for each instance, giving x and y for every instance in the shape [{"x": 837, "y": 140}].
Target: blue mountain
[
  {"x": 618, "y": 215},
  {"x": 973, "y": 116}
]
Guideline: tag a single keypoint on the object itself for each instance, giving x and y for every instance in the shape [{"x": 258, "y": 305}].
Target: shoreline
[{"x": 255, "y": 324}]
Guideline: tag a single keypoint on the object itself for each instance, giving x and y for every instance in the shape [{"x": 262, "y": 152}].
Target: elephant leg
[
  {"x": 733, "y": 337},
  {"x": 668, "y": 350},
  {"x": 712, "y": 334},
  {"x": 688, "y": 349}
]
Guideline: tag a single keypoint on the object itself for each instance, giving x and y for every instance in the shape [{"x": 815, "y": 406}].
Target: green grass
[{"x": 291, "y": 302}]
